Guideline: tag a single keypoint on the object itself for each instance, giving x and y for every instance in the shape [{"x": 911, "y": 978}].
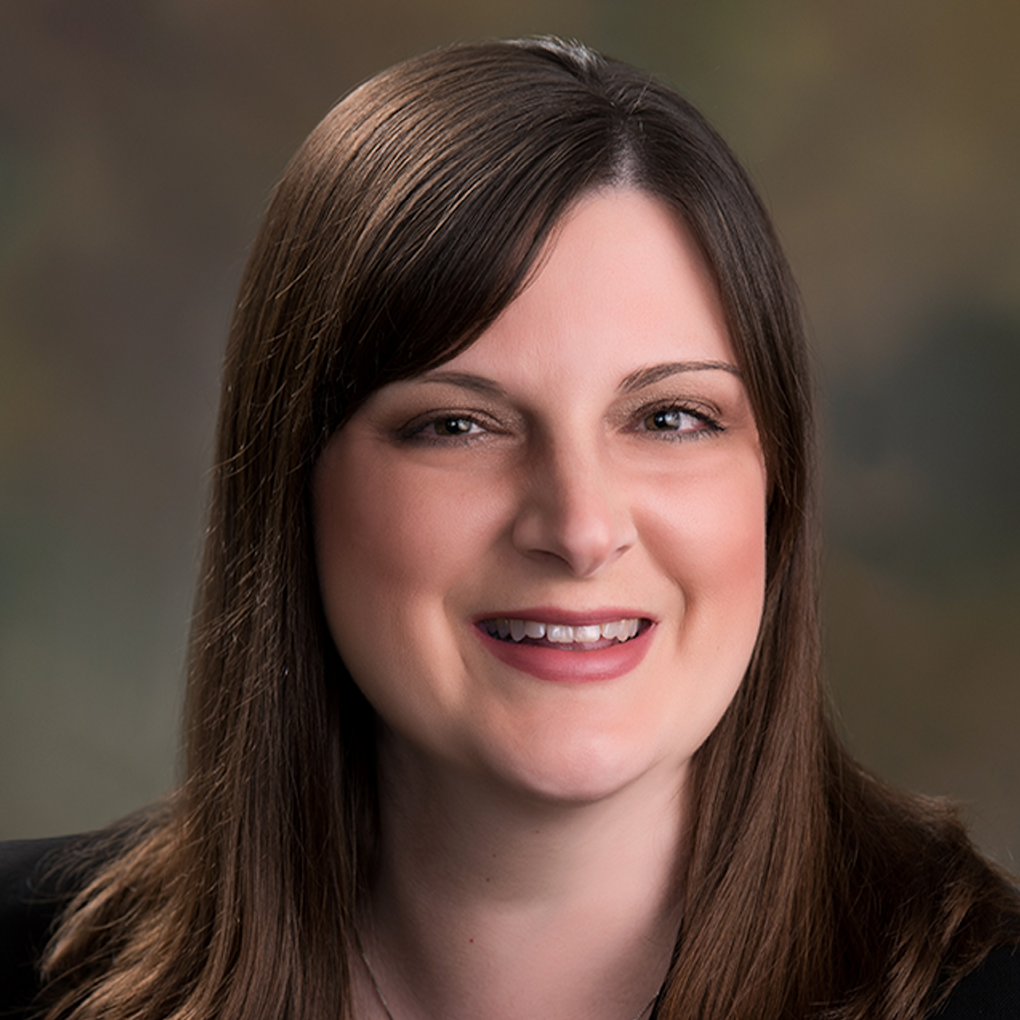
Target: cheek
[
  {"x": 712, "y": 548},
  {"x": 372, "y": 561},
  {"x": 728, "y": 550},
  {"x": 391, "y": 548},
  {"x": 393, "y": 552},
  {"x": 732, "y": 543},
  {"x": 711, "y": 545},
  {"x": 708, "y": 532},
  {"x": 370, "y": 542}
]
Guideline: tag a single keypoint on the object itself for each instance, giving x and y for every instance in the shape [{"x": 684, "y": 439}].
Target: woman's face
[{"x": 543, "y": 562}]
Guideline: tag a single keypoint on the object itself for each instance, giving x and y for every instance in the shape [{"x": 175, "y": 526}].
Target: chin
[{"x": 583, "y": 769}]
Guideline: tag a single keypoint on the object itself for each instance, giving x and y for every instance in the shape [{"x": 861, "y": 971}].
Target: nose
[{"x": 573, "y": 511}]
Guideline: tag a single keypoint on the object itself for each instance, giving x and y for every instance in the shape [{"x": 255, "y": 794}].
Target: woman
[{"x": 504, "y": 697}]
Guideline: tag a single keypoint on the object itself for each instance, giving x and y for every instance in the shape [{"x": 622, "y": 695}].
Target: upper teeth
[{"x": 561, "y": 633}]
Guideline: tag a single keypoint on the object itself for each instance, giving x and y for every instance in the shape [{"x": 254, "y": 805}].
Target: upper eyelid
[
  {"x": 431, "y": 402},
  {"x": 696, "y": 406},
  {"x": 417, "y": 423}
]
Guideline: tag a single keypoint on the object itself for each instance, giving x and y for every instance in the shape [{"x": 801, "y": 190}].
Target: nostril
[
  {"x": 584, "y": 547},
  {"x": 573, "y": 512}
]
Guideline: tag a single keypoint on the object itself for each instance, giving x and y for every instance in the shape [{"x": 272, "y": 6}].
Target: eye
[
  {"x": 673, "y": 421},
  {"x": 669, "y": 420},
  {"x": 443, "y": 428},
  {"x": 455, "y": 427}
]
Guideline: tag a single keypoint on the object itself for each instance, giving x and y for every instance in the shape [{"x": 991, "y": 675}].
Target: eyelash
[
  {"x": 416, "y": 431},
  {"x": 708, "y": 424}
]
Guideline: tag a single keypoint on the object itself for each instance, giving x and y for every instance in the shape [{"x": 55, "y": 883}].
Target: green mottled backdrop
[{"x": 138, "y": 143}]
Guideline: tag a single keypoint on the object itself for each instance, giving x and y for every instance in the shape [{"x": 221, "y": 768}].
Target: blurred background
[{"x": 138, "y": 146}]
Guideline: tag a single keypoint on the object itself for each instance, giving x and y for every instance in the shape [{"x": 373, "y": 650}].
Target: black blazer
[
  {"x": 30, "y": 899},
  {"x": 32, "y": 893}
]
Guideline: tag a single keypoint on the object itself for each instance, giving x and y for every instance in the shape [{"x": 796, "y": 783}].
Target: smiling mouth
[{"x": 585, "y": 637}]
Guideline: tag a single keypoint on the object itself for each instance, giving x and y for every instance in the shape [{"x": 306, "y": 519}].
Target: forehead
[{"x": 620, "y": 282}]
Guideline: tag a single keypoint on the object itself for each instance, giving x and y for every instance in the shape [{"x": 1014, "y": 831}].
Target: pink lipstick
[{"x": 564, "y": 646}]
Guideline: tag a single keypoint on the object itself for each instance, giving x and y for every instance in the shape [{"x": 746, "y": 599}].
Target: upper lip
[{"x": 567, "y": 617}]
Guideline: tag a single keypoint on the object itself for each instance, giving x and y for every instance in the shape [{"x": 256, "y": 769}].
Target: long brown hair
[{"x": 408, "y": 220}]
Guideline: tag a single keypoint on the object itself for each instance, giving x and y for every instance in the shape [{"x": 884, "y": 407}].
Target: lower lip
[{"x": 561, "y": 665}]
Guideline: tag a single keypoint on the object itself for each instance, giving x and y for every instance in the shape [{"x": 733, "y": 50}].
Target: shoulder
[
  {"x": 33, "y": 891},
  {"x": 989, "y": 992}
]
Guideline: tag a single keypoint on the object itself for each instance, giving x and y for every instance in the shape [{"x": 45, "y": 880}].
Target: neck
[{"x": 489, "y": 902}]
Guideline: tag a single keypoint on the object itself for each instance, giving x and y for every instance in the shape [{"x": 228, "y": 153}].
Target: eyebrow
[
  {"x": 478, "y": 383},
  {"x": 632, "y": 383},
  {"x": 654, "y": 373}
]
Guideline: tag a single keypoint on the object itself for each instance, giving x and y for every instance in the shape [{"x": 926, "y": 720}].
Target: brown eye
[
  {"x": 672, "y": 422},
  {"x": 664, "y": 421},
  {"x": 453, "y": 426},
  {"x": 445, "y": 429},
  {"x": 671, "y": 419}
]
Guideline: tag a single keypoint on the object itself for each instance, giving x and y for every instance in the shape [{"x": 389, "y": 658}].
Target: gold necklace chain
[{"x": 389, "y": 1015}]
